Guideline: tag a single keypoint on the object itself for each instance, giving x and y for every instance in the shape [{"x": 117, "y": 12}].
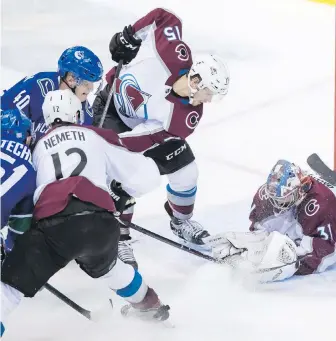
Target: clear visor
[{"x": 89, "y": 87}]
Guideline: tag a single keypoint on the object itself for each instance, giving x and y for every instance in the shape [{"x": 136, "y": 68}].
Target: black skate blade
[{"x": 204, "y": 248}]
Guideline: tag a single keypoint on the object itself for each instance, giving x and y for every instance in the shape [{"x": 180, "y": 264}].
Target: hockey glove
[
  {"x": 122, "y": 199},
  {"x": 124, "y": 45},
  {"x": 231, "y": 243}
]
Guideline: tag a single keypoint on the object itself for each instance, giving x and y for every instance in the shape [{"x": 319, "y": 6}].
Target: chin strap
[
  {"x": 192, "y": 91},
  {"x": 72, "y": 89}
]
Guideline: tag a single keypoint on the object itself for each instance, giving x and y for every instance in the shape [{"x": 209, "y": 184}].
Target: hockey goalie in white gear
[{"x": 266, "y": 256}]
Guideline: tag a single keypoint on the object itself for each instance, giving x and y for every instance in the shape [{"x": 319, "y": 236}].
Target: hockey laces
[
  {"x": 125, "y": 251},
  {"x": 192, "y": 228}
]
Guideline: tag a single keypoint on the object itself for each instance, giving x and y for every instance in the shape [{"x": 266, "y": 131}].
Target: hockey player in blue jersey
[
  {"x": 18, "y": 176},
  {"x": 78, "y": 69}
]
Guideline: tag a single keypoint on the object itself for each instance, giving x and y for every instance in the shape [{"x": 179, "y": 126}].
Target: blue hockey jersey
[
  {"x": 28, "y": 95},
  {"x": 18, "y": 179}
]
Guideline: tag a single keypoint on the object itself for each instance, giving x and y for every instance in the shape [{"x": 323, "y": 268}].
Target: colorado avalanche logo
[
  {"x": 312, "y": 207},
  {"x": 192, "y": 120},
  {"x": 262, "y": 193},
  {"x": 130, "y": 97}
]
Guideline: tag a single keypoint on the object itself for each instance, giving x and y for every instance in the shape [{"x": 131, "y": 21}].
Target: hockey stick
[
  {"x": 169, "y": 241},
  {"x": 193, "y": 251},
  {"x": 68, "y": 301},
  {"x": 110, "y": 94},
  {"x": 315, "y": 162}
]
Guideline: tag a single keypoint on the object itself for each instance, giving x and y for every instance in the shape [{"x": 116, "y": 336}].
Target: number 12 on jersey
[{"x": 78, "y": 168}]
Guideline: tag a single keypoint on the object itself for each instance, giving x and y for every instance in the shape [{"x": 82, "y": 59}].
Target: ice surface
[{"x": 280, "y": 105}]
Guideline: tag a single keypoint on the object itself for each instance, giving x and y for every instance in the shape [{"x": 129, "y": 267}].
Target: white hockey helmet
[
  {"x": 62, "y": 106},
  {"x": 213, "y": 73}
]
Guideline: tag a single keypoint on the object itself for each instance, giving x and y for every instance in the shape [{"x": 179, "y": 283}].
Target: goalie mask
[{"x": 287, "y": 185}]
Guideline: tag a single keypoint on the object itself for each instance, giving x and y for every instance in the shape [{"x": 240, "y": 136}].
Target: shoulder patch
[
  {"x": 262, "y": 193},
  {"x": 46, "y": 85},
  {"x": 182, "y": 52},
  {"x": 312, "y": 207}
]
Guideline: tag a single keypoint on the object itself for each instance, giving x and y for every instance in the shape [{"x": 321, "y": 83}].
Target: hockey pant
[{"x": 90, "y": 239}]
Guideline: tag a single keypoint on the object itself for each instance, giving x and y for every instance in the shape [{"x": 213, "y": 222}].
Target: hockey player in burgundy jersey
[
  {"x": 302, "y": 209},
  {"x": 74, "y": 211},
  {"x": 158, "y": 103}
]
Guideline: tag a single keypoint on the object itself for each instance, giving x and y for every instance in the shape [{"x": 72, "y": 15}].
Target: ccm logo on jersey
[{"x": 176, "y": 152}]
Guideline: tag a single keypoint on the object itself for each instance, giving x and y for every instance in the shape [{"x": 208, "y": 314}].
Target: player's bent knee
[
  {"x": 29, "y": 265},
  {"x": 146, "y": 179},
  {"x": 185, "y": 178}
]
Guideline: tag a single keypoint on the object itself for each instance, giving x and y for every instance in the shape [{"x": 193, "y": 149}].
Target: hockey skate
[
  {"x": 125, "y": 253},
  {"x": 149, "y": 309},
  {"x": 189, "y": 230}
]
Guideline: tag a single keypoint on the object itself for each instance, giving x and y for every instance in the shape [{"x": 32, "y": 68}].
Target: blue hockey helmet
[
  {"x": 82, "y": 63},
  {"x": 15, "y": 123}
]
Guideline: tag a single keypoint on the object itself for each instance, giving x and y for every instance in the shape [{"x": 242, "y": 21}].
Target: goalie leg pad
[
  {"x": 280, "y": 250},
  {"x": 279, "y": 260}
]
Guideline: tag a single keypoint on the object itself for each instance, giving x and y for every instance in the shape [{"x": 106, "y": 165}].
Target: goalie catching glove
[
  {"x": 272, "y": 256},
  {"x": 230, "y": 243}
]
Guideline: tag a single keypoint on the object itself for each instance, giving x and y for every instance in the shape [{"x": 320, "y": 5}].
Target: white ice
[{"x": 280, "y": 105}]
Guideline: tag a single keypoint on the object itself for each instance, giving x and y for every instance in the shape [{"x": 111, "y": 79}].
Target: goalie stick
[
  {"x": 168, "y": 241},
  {"x": 315, "y": 163}
]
